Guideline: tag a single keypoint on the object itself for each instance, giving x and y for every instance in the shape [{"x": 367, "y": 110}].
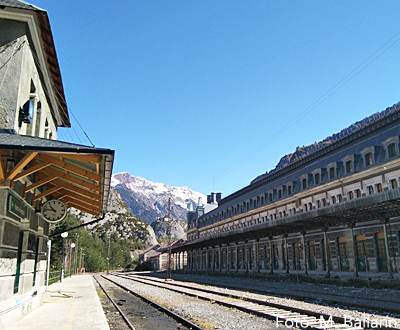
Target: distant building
[
  {"x": 34, "y": 166},
  {"x": 158, "y": 259},
  {"x": 143, "y": 256},
  {"x": 330, "y": 206}
]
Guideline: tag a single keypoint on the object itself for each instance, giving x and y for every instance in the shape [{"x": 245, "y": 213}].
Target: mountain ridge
[{"x": 148, "y": 200}]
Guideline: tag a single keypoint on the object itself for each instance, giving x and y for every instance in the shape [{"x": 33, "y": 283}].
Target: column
[
  {"x": 257, "y": 255},
  {"x": 236, "y": 257},
  {"x": 228, "y": 259},
  {"x": 207, "y": 260},
  {"x": 303, "y": 242},
  {"x": 353, "y": 245},
  {"x": 245, "y": 257},
  {"x": 326, "y": 251},
  {"x": 271, "y": 256},
  {"x": 220, "y": 257},
  {"x": 384, "y": 221},
  {"x": 286, "y": 255}
]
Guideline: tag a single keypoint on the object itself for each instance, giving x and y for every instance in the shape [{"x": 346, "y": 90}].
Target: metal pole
[
  {"x": 70, "y": 256},
  {"x": 108, "y": 254},
  {"x": 169, "y": 241},
  {"x": 80, "y": 259},
  {"x": 48, "y": 263},
  {"x": 62, "y": 261}
]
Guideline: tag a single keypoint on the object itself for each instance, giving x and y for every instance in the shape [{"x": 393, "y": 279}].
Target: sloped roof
[
  {"x": 19, "y": 4},
  {"x": 78, "y": 174},
  {"x": 47, "y": 44},
  {"x": 149, "y": 249}
]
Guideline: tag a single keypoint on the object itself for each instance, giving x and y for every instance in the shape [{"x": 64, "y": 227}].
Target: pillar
[
  {"x": 258, "y": 255},
  {"x": 326, "y": 247},
  {"x": 220, "y": 257},
  {"x": 303, "y": 243},
  {"x": 353, "y": 244},
  {"x": 286, "y": 255},
  {"x": 271, "y": 256},
  {"x": 236, "y": 257},
  {"x": 245, "y": 257},
  {"x": 384, "y": 221}
]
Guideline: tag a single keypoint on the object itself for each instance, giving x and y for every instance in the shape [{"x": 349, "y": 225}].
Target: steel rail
[
  {"x": 306, "y": 318},
  {"x": 299, "y": 296},
  {"x": 175, "y": 316},
  {"x": 115, "y": 305}
]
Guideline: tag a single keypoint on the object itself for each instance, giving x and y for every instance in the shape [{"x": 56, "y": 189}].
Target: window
[
  {"x": 340, "y": 198},
  {"x": 323, "y": 202},
  {"x": 310, "y": 206},
  {"x": 368, "y": 159},
  {"x": 349, "y": 166},
  {"x": 262, "y": 200},
  {"x": 358, "y": 193},
  {"x": 379, "y": 187},
  {"x": 317, "y": 178},
  {"x": 279, "y": 193},
  {"x": 289, "y": 190},
  {"x": 304, "y": 183},
  {"x": 333, "y": 199},
  {"x": 270, "y": 197},
  {"x": 370, "y": 190},
  {"x": 318, "y": 203},
  {"x": 392, "y": 150},
  {"x": 394, "y": 184},
  {"x": 331, "y": 173},
  {"x": 351, "y": 195},
  {"x": 305, "y": 208}
]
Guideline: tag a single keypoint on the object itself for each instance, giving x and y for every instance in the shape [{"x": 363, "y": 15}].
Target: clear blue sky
[{"x": 184, "y": 90}]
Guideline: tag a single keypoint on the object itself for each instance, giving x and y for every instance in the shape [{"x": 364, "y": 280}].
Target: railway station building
[
  {"x": 35, "y": 167},
  {"x": 330, "y": 206}
]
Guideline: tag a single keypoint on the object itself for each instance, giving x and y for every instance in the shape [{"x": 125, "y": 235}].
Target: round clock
[{"x": 54, "y": 210}]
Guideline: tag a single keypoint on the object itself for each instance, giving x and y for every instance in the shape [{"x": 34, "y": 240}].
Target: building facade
[
  {"x": 331, "y": 206},
  {"x": 34, "y": 166}
]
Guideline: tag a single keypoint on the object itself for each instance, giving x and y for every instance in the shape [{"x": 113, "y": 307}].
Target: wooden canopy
[{"x": 77, "y": 175}]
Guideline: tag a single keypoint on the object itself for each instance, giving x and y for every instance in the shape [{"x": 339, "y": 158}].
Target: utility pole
[
  {"x": 108, "y": 255},
  {"x": 169, "y": 241}
]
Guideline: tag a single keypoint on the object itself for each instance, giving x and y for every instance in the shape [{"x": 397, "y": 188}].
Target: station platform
[{"x": 72, "y": 304}]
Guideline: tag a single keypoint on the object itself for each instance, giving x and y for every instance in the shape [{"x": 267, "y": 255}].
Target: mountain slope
[
  {"x": 149, "y": 200},
  {"x": 120, "y": 219}
]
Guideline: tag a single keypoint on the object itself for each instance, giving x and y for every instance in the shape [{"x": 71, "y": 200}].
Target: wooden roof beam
[
  {"x": 31, "y": 170},
  {"x": 72, "y": 179},
  {"x": 80, "y": 198},
  {"x": 39, "y": 183},
  {"x": 68, "y": 199},
  {"x": 82, "y": 208},
  {"x": 88, "y": 158},
  {"x": 21, "y": 164},
  {"x": 77, "y": 190},
  {"x": 70, "y": 168},
  {"x": 46, "y": 193}
]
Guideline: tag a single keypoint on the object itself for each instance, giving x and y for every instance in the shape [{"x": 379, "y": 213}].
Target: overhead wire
[
  {"x": 375, "y": 55},
  {"x": 60, "y": 105}
]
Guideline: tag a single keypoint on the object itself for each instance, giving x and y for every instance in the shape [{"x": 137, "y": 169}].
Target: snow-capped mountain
[{"x": 149, "y": 200}]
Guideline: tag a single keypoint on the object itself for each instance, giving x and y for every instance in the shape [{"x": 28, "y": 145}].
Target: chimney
[
  {"x": 219, "y": 196},
  {"x": 209, "y": 199}
]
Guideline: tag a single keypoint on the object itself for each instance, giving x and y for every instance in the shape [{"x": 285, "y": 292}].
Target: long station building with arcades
[{"x": 330, "y": 206}]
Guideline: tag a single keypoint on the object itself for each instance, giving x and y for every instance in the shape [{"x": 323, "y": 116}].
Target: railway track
[
  {"x": 288, "y": 316},
  {"x": 136, "y": 311},
  {"x": 327, "y": 297}
]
